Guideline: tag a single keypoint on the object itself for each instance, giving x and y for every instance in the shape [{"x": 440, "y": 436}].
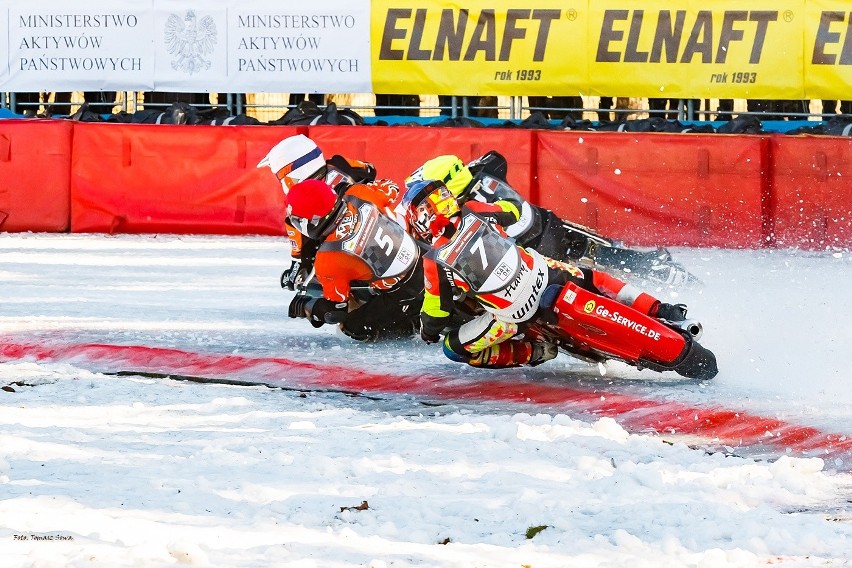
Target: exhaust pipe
[{"x": 692, "y": 327}]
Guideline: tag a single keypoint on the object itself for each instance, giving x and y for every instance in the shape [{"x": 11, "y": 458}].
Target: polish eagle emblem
[{"x": 190, "y": 39}]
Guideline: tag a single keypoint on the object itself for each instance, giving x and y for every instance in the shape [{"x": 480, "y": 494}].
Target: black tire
[
  {"x": 699, "y": 363},
  {"x": 695, "y": 362}
]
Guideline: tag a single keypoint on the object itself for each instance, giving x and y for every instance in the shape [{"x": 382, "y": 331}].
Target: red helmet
[{"x": 312, "y": 206}]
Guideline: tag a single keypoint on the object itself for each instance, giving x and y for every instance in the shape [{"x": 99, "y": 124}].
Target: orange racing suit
[{"x": 368, "y": 266}]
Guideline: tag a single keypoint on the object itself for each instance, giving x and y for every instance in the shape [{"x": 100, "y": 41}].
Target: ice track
[{"x": 211, "y": 307}]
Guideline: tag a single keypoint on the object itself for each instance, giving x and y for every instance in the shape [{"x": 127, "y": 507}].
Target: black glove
[
  {"x": 298, "y": 305},
  {"x": 325, "y": 311},
  {"x": 429, "y": 337},
  {"x": 431, "y": 327},
  {"x": 291, "y": 277},
  {"x": 671, "y": 312}
]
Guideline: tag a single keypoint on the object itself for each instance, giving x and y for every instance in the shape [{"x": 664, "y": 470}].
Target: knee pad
[
  {"x": 452, "y": 355},
  {"x": 483, "y": 332}
]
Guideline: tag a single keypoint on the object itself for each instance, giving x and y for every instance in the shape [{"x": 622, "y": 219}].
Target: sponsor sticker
[
  {"x": 627, "y": 322},
  {"x": 503, "y": 271}
]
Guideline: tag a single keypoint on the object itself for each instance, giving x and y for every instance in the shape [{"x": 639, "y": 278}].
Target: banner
[
  {"x": 301, "y": 47},
  {"x": 828, "y": 50},
  {"x": 476, "y": 48},
  {"x": 175, "y": 45},
  {"x": 4, "y": 40},
  {"x": 772, "y": 49},
  {"x": 95, "y": 45},
  {"x": 189, "y": 45},
  {"x": 655, "y": 49}
]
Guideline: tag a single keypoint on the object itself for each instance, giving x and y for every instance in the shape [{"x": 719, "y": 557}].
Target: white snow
[{"x": 99, "y": 469}]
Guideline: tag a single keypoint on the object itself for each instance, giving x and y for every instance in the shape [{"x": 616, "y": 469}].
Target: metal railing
[{"x": 272, "y": 106}]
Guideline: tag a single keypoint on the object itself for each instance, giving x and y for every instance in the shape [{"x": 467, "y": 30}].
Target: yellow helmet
[
  {"x": 427, "y": 205},
  {"x": 448, "y": 169}
]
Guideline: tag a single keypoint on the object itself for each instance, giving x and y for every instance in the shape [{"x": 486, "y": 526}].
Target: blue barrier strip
[{"x": 768, "y": 126}]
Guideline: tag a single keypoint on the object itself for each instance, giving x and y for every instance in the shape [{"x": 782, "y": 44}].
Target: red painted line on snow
[{"x": 717, "y": 425}]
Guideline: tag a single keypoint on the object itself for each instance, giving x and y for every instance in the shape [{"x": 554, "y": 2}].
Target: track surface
[
  {"x": 210, "y": 307},
  {"x": 713, "y": 428}
]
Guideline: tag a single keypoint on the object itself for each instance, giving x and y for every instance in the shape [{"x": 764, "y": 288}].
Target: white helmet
[{"x": 294, "y": 159}]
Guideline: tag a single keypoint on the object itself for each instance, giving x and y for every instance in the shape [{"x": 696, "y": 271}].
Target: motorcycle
[
  {"x": 588, "y": 327},
  {"x": 597, "y": 329}
]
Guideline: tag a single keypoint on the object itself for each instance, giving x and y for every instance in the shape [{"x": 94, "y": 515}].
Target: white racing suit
[{"x": 479, "y": 261}]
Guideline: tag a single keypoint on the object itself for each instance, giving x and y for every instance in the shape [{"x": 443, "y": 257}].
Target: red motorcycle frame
[{"x": 595, "y": 328}]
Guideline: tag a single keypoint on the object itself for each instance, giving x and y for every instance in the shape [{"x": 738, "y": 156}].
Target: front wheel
[
  {"x": 699, "y": 363},
  {"x": 695, "y": 362}
]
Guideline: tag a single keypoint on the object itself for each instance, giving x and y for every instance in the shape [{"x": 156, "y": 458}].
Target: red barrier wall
[
  {"x": 656, "y": 189},
  {"x": 176, "y": 179},
  {"x": 396, "y": 151},
  {"x": 811, "y": 187},
  {"x": 35, "y": 169},
  {"x": 645, "y": 189}
]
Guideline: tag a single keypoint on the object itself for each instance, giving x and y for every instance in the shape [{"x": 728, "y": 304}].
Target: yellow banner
[
  {"x": 496, "y": 47},
  {"x": 828, "y": 50},
  {"x": 761, "y": 49},
  {"x": 657, "y": 48}
]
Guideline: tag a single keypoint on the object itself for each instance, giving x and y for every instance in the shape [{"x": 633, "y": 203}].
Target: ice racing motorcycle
[
  {"x": 596, "y": 329},
  {"x": 589, "y": 327}
]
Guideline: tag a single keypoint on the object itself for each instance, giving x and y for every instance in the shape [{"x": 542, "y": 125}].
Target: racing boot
[
  {"x": 655, "y": 265},
  {"x": 542, "y": 352},
  {"x": 511, "y": 353},
  {"x": 664, "y": 269}
]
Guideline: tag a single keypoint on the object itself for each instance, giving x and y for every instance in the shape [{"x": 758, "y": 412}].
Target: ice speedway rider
[
  {"x": 484, "y": 179},
  {"x": 368, "y": 267},
  {"x": 295, "y": 159},
  {"x": 472, "y": 256}
]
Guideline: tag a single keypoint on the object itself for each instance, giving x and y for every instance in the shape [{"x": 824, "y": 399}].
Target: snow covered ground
[{"x": 106, "y": 469}]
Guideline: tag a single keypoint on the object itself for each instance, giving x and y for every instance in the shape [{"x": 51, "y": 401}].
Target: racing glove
[
  {"x": 429, "y": 336},
  {"x": 322, "y": 311},
  {"x": 671, "y": 312},
  {"x": 431, "y": 327},
  {"x": 292, "y": 277}
]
